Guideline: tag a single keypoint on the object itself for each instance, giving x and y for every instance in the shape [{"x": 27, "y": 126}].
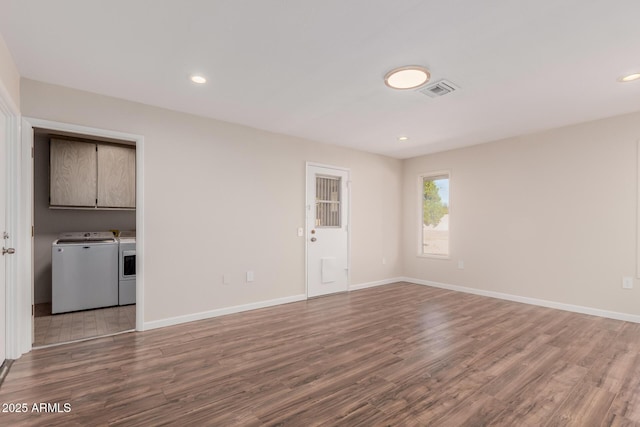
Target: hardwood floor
[
  {"x": 78, "y": 325},
  {"x": 395, "y": 355}
]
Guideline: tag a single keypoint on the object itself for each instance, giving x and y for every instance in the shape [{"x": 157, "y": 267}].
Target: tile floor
[{"x": 58, "y": 328}]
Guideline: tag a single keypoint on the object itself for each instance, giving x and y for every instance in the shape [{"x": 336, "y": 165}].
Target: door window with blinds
[{"x": 328, "y": 201}]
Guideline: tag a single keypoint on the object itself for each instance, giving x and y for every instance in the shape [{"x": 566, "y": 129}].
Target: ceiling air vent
[{"x": 441, "y": 88}]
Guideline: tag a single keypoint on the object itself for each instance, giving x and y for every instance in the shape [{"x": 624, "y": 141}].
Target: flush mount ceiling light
[
  {"x": 408, "y": 77},
  {"x": 403, "y": 138},
  {"x": 198, "y": 79},
  {"x": 629, "y": 77}
]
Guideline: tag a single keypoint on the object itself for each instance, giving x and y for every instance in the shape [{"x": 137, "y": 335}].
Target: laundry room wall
[
  {"x": 222, "y": 199},
  {"x": 49, "y": 223}
]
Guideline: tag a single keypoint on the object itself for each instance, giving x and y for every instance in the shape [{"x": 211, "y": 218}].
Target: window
[
  {"x": 434, "y": 208},
  {"x": 328, "y": 201}
]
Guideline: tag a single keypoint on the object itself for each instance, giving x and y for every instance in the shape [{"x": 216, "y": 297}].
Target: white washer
[
  {"x": 84, "y": 271},
  {"x": 127, "y": 268}
]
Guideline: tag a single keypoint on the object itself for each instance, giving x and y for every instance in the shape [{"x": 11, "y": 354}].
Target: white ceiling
[{"x": 315, "y": 68}]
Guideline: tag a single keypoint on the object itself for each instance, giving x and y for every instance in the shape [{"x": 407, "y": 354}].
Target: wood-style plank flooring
[
  {"x": 395, "y": 355},
  {"x": 78, "y": 325}
]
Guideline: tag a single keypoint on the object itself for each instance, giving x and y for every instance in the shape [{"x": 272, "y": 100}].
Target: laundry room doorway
[{"x": 86, "y": 211}]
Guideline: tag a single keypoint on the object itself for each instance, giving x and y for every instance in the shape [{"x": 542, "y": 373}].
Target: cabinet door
[
  {"x": 116, "y": 176},
  {"x": 73, "y": 173}
]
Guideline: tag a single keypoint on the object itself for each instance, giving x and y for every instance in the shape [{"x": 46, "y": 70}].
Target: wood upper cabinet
[
  {"x": 92, "y": 175},
  {"x": 73, "y": 173},
  {"x": 116, "y": 176}
]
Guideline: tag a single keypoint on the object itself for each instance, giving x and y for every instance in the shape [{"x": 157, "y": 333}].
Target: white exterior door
[
  {"x": 327, "y": 230},
  {"x": 3, "y": 228}
]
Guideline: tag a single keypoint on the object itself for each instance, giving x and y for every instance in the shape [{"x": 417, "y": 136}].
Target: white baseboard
[
  {"x": 526, "y": 300},
  {"x": 246, "y": 307},
  {"x": 376, "y": 283},
  {"x": 509, "y": 297},
  {"x": 220, "y": 312}
]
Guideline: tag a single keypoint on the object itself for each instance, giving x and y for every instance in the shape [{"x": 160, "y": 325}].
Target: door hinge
[
  {"x": 32, "y": 151},
  {"x": 33, "y": 233},
  {"x": 33, "y": 310}
]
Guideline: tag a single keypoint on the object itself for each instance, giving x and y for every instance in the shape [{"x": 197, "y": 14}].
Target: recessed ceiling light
[
  {"x": 408, "y": 77},
  {"x": 629, "y": 77},
  {"x": 403, "y": 138},
  {"x": 198, "y": 79}
]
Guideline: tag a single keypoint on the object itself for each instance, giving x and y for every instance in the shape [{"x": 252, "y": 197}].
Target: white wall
[
  {"x": 9, "y": 76},
  {"x": 549, "y": 216},
  {"x": 223, "y": 199}
]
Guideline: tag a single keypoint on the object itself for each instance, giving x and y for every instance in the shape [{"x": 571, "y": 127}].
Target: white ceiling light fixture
[
  {"x": 629, "y": 77},
  {"x": 403, "y": 138},
  {"x": 409, "y": 77},
  {"x": 198, "y": 79}
]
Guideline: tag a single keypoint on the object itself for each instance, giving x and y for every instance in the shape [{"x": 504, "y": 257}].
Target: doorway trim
[
  {"x": 309, "y": 226},
  {"x": 11, "y": 112},
  {"x": 26, "y": 283}
]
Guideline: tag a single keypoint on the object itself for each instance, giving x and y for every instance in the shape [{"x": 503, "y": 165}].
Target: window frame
[
  {"x": 337, "y": 203},
  {"x": 420, "y": 243}
]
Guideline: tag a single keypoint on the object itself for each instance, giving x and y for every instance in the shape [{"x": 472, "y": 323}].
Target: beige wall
[
  {"x": 223, "y": 199},
  {"x": 9, "y": 76},
  {"x": 549, "y": 216}
]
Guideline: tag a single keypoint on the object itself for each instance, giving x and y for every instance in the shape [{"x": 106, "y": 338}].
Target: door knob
[
  {"x": 9, "y": 251},
  {"x": 313, "y": 239}
]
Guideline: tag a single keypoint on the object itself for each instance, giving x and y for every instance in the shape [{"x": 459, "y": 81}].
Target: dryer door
[{"x": 128, "y": 264}]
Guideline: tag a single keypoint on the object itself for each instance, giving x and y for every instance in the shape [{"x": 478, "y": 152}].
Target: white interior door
[
  {"x": 3, "y": 228},
  {"x": 327, "y": 230}
]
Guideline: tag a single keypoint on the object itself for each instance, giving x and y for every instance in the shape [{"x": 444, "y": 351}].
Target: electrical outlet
[
  {"x": 627, "y": 282},
  {"x": 384, "y": 261},
  {"x": 461, "y": 264},
  {"x": 300, "y": 231},
  {"x": 250, "y": 277}
]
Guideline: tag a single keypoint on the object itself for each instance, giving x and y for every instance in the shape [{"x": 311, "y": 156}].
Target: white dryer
[{"x": 127, "y": 268}]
